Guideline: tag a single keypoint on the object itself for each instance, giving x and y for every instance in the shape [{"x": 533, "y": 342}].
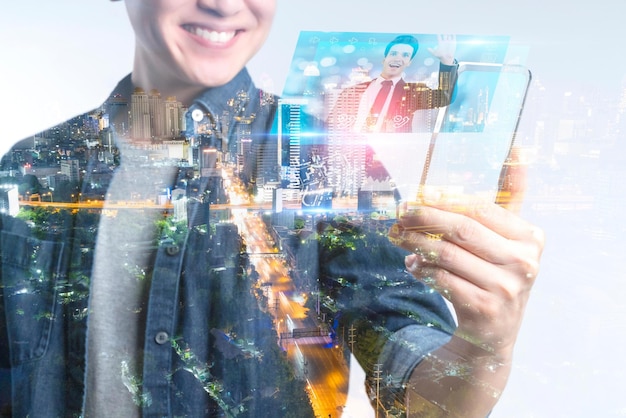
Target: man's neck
[
  {"x": 167, "y": 84},
  {"x": 387, "y": 77}
]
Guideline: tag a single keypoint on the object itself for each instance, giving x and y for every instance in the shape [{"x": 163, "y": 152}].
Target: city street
[{"x": 313, "y": 358}]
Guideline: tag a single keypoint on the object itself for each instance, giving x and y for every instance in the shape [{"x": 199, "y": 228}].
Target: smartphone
[{"x": 472, "y": 138}]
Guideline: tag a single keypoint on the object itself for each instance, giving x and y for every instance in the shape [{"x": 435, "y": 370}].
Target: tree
[
  {"x": 31, "y": 183},
  {"x": 66, "y": 191}
]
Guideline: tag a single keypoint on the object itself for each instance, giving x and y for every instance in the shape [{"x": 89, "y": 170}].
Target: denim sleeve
[
  {"x": 406, "y": 348},
  {"x": 394, "y": 319}
]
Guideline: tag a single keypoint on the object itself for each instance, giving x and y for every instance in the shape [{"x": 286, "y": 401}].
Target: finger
[
  {"x": 469, "y": 249},
  {"x": 479, "y": 311},
  {"x": 454, "y": 288},
  {"x": 446, "y": 37},
  {"x": 486, "y": 213},
  {"x": 436, "y": 279},
  {"x": 484, "y": 267}
]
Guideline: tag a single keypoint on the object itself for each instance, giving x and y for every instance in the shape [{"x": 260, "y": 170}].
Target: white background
[{"x": 61, "y": 58}]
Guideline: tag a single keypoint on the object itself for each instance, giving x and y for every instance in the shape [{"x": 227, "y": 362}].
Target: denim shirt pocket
[{"x": 29, "y": 272}]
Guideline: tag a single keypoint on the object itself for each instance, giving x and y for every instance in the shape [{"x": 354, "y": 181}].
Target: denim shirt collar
[
  {"x": 218, "y": 99},
  {"x": 238, "y": 98},
  {"x": 214, "y": 99}
]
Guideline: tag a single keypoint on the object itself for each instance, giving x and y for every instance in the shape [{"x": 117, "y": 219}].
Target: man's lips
[{"x": 220, "y": 37}]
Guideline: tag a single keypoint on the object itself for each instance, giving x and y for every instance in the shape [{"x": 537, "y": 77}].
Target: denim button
[
  {"x": 161, "y": 337},
  {"x": 172, "y": 249}
]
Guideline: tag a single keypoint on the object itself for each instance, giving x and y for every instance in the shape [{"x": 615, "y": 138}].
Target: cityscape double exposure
[{"x": 283, "y": 206}]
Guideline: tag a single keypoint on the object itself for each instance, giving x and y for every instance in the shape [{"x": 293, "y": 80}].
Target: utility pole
[
  {"x": 377, "y": 378},
  {"x": 406, "y": 400},
  {"x": 351, "y": 337}
]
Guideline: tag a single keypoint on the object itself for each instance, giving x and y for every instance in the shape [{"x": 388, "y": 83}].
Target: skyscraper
[
  {"x": 289, "y": 140},
  {"x": 9, "y": 203},
  {"x": 172, "y": 117},
  {"x": 157, "y": 117},
  {"x": 71, "y": 169},
  {"x": 346, "y": 148},
  {"x": 117, "y": 105},
  {"x": 140, "y": 115}
]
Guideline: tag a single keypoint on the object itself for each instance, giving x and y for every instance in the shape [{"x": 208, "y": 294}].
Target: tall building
[
  {"x": 241, "y": 145},
  {"x": 71, "y": 169},
  {"x": 173, "y": 117},
  {"x": 267, "y": 168},
  {"x": 289, "y": 140},
  {"x": 157, "y": 117},
  {"x": 151, "y": 117},
  {"x": 346, "y": 149},
  {"x": 117, "y": 109},
  {"x": 140, "y": 127},
  {"x": 9, "y": 200},
  {"x": 208, "y": 161},
  {"x": 106, "y": 139},
  {"x": 244, "y": 165}
]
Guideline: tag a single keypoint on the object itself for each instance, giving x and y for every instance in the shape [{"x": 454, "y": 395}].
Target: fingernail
[{"x": 412, "y": 262}]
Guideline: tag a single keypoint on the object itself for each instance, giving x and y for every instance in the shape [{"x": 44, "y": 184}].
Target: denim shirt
[{"x": 204, "y": 345}]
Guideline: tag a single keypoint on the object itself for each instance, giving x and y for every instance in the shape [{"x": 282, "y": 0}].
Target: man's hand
[
  {"x": 484, "y": 259},
  {"x": 445, "y": 49}
]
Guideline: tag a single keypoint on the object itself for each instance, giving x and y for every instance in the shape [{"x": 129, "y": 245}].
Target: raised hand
[{"x": 445, "y": 49}]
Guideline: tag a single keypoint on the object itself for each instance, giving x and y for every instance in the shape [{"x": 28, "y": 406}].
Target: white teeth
[{"x": 210, "y": 35}]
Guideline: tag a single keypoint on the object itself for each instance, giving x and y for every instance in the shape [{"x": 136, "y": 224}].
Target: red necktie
[{"x": 381, "y": 98}]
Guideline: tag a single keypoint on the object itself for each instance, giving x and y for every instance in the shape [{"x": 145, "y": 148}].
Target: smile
[{"x": 210, "y": 35}]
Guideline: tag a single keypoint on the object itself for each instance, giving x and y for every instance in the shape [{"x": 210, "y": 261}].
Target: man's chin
[{"x": 391, "y": 74}]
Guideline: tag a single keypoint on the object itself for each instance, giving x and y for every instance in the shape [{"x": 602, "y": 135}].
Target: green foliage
[
  {"x": 340, "y": 235},
  {"x": 38, "y": 218},
  {"x": 368, "y": 343},
  {"x": 36, "y": 215},
  {"x": 298, "y": 223},
  {"x": 167, "y": 228}
]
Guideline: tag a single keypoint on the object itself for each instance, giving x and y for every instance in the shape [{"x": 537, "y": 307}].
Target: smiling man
[
  {"x": 160, "y": 314},
  {"x": 183, "y": 47},
  {"x": 387, "y": 103}
]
